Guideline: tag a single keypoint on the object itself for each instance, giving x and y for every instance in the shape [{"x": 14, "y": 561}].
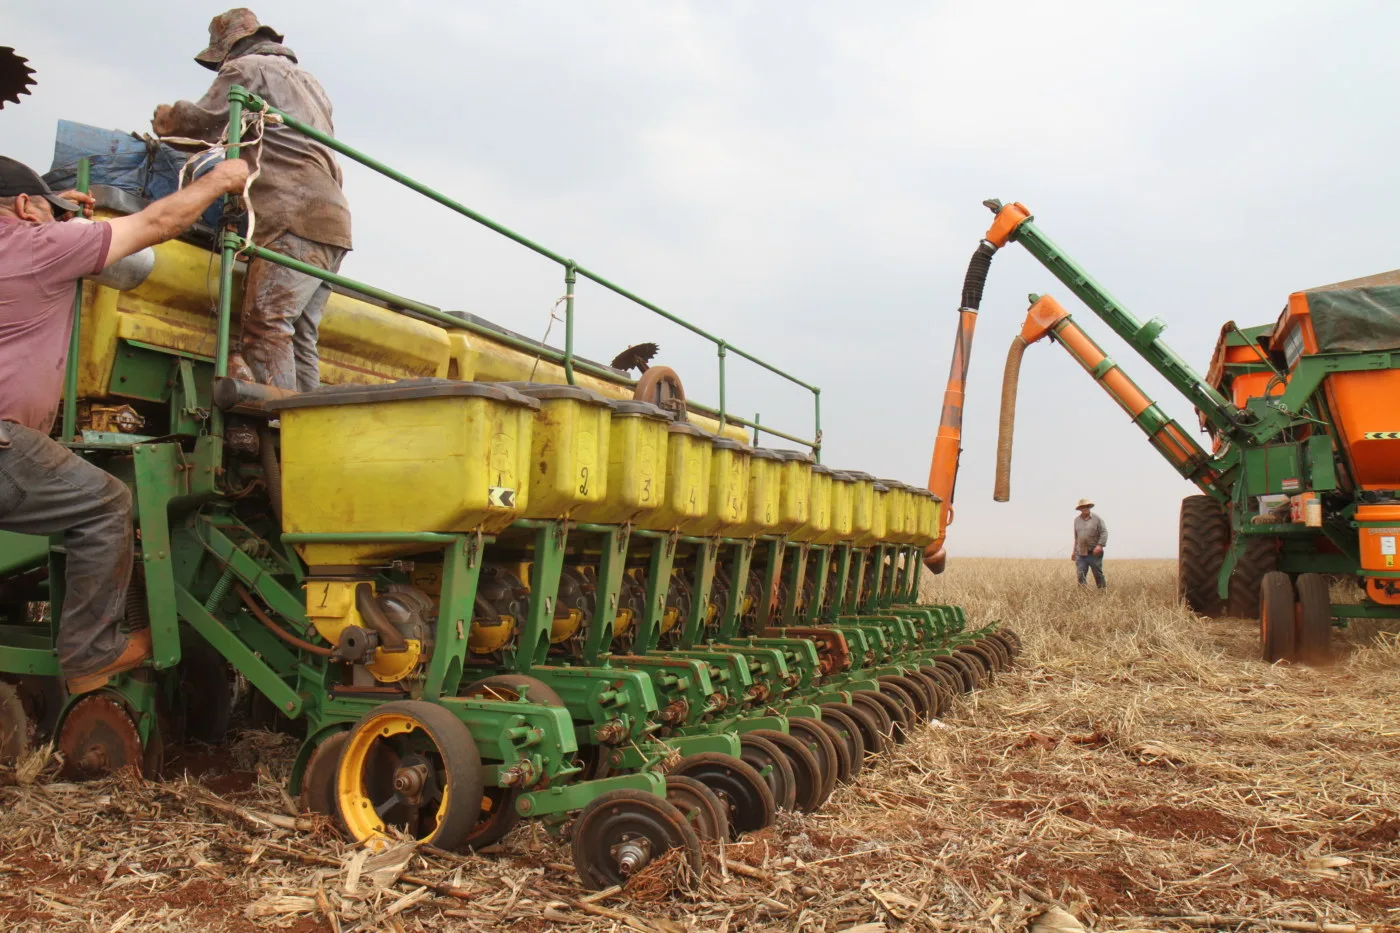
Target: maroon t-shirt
[{"x": 38, "y": 265}]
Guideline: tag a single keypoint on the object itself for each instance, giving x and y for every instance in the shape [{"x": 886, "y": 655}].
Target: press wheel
[
  {"x": 413, "y": 765},
  {"x": 318, "y": 777},
  {"x": 895, "y": 713},
  {"x": 622, "y": 831},
  {"x": 16, "y": 729},
  {"x": 773, "y": 765},
  {"x": 834, "y": 756},
  {"x": 921, "y": 710},
  {"x": 839, "y": 717},
  {"x": 807, "y": 768},
  {"x": 878, "y": 713},
  {"x": 701, "y": 807},
  {"x": 745, "y": 794},
  {"x": 98, "y": 737}
]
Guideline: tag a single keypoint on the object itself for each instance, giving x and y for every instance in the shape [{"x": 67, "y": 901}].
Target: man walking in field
[{"x": 1090, "y": 538}]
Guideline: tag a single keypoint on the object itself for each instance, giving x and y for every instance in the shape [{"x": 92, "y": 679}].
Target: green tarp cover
[{"x": 1362, "y": 314}]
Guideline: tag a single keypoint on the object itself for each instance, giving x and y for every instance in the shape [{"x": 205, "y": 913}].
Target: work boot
[
  {"x": 138, "y": 649},
  {"x": 238, "y": 368}
]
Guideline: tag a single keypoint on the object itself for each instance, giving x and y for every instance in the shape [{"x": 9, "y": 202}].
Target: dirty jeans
[
  {"x": 1083, "y": 563},
  {"x": 47, "y": 489},
  {"x": 282, "y": 314}
]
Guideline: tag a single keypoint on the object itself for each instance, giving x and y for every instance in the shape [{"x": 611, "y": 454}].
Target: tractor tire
[
  {"x": 1259, "y": 559},
  {"x": 1203, "y": 536},
  {"x": 1278, "y": 626},
  {"x": 1314, "y": 619}
]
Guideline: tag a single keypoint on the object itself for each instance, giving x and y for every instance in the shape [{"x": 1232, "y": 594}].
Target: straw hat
[{"x": 1085, "y": 504}]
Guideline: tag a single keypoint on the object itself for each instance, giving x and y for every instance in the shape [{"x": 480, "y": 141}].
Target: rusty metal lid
[
  {"x": 728, "y": 443},
  {"x": 630, "y": 408},
  {"x": 822, "y": 468},
  {"x": 684, "y": 427},
  {"x": 791, "y": 456},
  {"x": 841, "y": 476},
  {"x": 548, "y": 392},
  {"x": 765, "y": 453},
  {"x": 881, "y": 487},
  {"x": 402, "y": 391},
  {"x": 859, "y": 477}
]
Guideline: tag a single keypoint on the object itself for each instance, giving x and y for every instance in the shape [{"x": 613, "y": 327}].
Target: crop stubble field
[{"x": 1139, "y": 771}]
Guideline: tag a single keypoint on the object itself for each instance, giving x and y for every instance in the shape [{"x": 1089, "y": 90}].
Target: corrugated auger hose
[{"x": 1007, "y": 422}]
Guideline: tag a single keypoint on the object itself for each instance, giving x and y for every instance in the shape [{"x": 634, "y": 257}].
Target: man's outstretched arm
[{"x": 174, "y": 214}]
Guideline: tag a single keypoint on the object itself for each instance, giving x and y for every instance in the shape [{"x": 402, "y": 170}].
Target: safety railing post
[
  {"x": 757, "y": 420},
  {"x": 720, "y": 348},
  {"x": 570, "y": 278},
  {"x": 230, "y": 241},
  {"x": 817, "y": 431},
  {"x": 70, "y": 375}
]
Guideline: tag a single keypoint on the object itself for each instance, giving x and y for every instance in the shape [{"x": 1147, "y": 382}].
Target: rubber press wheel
[
  {"x": 15, "y": 727},
  {"x": 745, "y": 795},
  {"x": 865, "y": 738},
  {"x": 837, "y": 718},
  {"x": 1314, "y": 619},
  {"x": 933, "y": 690},
  {"x": 822, "y": 746},
  {"x": 808, "y": 779},
  {"x": 318, "y": 777},
  {"x": 896, "y": 721},
  {"x": 833, "y": 745},
  {"x": 960, "y": 680},
  {"x": 770, "y": 762},
  {"x": 917, "y": 692},
  {"x": 413, "y": 765},
  {"x": 701, "y": 807},
  {"x": 1278, "y": 624},
  {"x": 622, "y": 831},
  {"x": 868, "y": 702}
]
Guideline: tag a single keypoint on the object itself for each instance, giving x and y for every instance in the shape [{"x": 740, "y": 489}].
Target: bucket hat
[{"x": 226, "y": 29}]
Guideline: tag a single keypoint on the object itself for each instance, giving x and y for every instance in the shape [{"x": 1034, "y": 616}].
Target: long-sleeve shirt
[
  {"x": 299, "y": 188},
  {"x": 1089, "y": 533}
]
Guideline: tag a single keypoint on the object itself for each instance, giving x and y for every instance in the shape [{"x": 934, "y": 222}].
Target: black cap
[{"x": 18, "y": 178}]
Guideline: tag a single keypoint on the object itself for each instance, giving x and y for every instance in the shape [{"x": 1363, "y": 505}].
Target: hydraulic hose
[
  {"x": 1006, "y": 428},
  {"x": 276, "y": 629},
  {"x": 272, "y": 470},
  {"x": 943, "y": 471}
]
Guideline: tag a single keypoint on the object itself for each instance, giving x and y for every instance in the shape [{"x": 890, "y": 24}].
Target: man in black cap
[
  {"x": 45, "y": 488},
  {"x": 296, "y": 199}
]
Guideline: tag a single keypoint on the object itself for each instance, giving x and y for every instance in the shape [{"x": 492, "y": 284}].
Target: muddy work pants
[
  {"x": 282, "y": 314},
  {"x": 47, "y": 489}
]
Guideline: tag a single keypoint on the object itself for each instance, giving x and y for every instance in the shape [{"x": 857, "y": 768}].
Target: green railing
[{"x": 241, "y": 102}]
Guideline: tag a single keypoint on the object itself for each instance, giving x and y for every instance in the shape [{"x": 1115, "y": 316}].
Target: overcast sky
[{"x": 804, "y": 179}]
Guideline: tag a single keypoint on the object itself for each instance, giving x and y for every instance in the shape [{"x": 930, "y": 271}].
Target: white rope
[
  {"x": 209, "y": 152},
  {"x": 553, "y": 317}
]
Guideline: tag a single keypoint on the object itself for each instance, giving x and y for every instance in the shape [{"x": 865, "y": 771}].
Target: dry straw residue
[{"x": 1140, "y": 771}]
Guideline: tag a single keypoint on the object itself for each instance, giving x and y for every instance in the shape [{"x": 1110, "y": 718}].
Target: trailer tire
[
  {"x": 1203, "y": 536},
  {"x": 1259, "y": 559},
  {"x": 1314, "y": 619},
  {"x": 1278, "y": 618}
]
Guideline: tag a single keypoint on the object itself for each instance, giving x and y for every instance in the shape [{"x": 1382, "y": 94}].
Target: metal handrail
[{"x": 241, "y": 101}]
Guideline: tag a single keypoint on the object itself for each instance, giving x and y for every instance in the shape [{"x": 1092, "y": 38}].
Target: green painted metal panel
[{"x": 142, "y": 373}]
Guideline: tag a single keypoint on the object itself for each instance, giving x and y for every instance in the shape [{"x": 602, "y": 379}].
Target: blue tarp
[{"x": 147, "y": 169}]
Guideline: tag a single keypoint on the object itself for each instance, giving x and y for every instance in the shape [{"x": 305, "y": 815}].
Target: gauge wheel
[
  {"x": 878, "y": 712},
  {"x": 772, "y": 764},
  {"x": 849, "y": 734},
  {"x": 318, "y": 777},
  {"x": 895, "y": 711},
  {"x": 922, "y": 701},
  {"x": 744, "y": 793},
  {"x": 701, "y": 807},
  {"x": 620, "y": 832},
  {"x": 837, "y": 752},
  {"x": 413, "y": 765}
]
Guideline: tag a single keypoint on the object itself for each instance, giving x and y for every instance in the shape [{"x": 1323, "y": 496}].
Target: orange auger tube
[{"x": 1047, "y": 316}]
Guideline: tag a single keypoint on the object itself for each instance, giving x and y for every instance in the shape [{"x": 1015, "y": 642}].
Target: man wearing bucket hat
[
  {"x": 1090, "y": 538},
  {"x": 296, "y": 199},
  {"x": 46, "y": 489}
]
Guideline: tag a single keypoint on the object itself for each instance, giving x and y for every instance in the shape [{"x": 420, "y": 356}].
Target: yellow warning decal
[{"x": 1382, "y": 435}]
